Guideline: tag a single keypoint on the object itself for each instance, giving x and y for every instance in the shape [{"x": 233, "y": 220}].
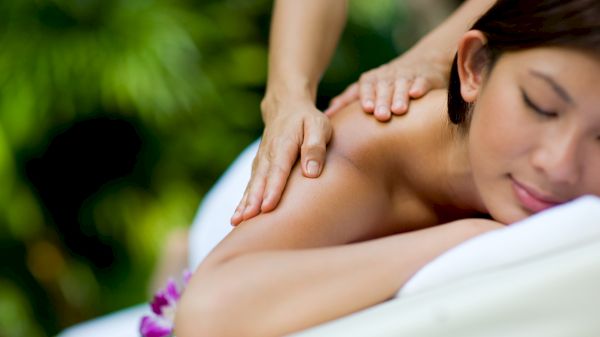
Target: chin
[{"x": 507, "y": 213}]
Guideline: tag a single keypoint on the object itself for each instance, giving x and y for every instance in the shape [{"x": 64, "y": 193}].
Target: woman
[{"x": 526, "y": 137}]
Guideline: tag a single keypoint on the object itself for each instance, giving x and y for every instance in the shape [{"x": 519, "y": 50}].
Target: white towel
[
  {"x": 538, "y": 277},
  {"x": 556, "y": 229}
]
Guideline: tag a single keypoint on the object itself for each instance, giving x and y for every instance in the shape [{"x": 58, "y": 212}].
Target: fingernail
[
  {"x": 369, "y": 104},
  {"x": 265, "y": 201},
  {"x": 234, "y": 218},
  {"x": 381, "y": 110},
  {"x": 313, "y": 168},
  {"x": 399, "y": 106}
]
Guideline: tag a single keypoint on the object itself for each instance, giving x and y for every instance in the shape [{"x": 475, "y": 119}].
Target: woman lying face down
[{"x": 524, "y": 136}]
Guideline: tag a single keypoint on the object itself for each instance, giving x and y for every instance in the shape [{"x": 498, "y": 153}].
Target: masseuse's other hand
[
  {"x": 387, "y": 90},
  {"x": 296, "y": 127}
]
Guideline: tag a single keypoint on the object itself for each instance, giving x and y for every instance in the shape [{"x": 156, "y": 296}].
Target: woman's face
[{"x": 534, "y": 138}]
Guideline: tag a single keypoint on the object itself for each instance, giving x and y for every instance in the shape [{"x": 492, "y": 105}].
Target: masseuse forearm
[
  {"x": 277, "y": 292},
  {"x": 304, "y": 35},
  {"x": 443, "y": 40}
]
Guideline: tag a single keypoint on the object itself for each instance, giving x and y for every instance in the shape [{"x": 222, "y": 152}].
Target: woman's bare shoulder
[
  {"x": 373, "y": 145},
  {"x": 349, "y": 202}
]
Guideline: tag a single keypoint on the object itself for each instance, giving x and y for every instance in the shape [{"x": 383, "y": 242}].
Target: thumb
[
  {"x": 314, "y": 147},
  {"x": 349, "y": 95}
]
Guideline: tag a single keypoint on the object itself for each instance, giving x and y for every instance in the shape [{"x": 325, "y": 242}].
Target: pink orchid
[{"x": 163, "y": 306}]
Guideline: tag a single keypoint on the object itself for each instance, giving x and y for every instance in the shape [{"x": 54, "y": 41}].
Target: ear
[{"x": 472, "y": 61}]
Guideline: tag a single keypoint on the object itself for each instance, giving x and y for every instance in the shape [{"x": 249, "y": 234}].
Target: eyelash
[{"x": 536, "y": 108}]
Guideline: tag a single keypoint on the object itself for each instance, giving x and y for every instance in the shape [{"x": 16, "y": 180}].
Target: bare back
[{"x": 379, "y": 179}]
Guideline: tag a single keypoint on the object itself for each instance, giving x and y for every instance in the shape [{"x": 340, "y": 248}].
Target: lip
[{"x": 531, "y": 199}]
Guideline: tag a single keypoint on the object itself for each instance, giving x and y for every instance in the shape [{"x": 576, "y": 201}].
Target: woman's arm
[
  {"x": 344, "y": 205},
  {"x": 276, "y": 292}
]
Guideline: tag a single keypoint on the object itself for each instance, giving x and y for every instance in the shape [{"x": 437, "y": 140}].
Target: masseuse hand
[
  {"x": 387, "y": 90},
  {"x": 290, "y": 127},
  {"x": 299, "y": 126}
]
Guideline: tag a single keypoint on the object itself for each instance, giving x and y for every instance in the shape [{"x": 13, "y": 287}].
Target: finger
[
  {"x": 314, "y": 146},
  {"x": 400, "y": 99},
  {"x": 256, "y": 190},
  {"x": 367, "y": 96},
  {"x": 237, "y": 218},
  {"x": 279, "y": 172},
  {"x": 349, "y": 95},
  {"x": 276, "y": 182},
  {"x": 419, "y": 87},
  {"x": 254, "y": 201},
  {"x": 384, "y": 101}
]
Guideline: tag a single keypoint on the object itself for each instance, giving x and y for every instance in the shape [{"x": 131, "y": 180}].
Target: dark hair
[{"x": 512, "y": 25}]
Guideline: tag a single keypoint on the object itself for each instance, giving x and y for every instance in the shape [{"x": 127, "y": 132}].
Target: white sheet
[
  {"x": 557, "y": 229},
  {"x": 539, "y": 277},
  {"x": 211, "y": 224},
  {"x": 552, "y": 296},
  {"x": 123, "y": 323}
]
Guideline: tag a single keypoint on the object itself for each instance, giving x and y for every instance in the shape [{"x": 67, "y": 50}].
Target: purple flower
[
  {"x": 163, "y": 306},
  {"x": 155, "y": 326},
  {"x": 171, "y": 291},
  {"x": 158, "y": 303}
]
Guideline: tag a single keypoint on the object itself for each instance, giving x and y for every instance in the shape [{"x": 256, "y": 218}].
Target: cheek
[
  {"x": 499, "y": 144},
  {"x": 501, "y": 125},
  {"x": 591, "y": 183},
  {"x": 497, "y": 135}
]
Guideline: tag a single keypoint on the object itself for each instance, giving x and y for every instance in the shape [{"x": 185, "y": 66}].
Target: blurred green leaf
[
  {"x": 15, "y": 313},
  {"x": 187, "y": 75}
]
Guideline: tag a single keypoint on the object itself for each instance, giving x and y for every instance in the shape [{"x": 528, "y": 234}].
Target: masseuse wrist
[
  {"x": 427, "y": 51},
  {"x": 434, "y": 48},
  {"x": 281, "y": 102}
]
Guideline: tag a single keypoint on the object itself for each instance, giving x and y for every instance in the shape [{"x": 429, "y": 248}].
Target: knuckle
[
  {"x": 323, "y": 128},
  {"x": 276, "y": 170},
  {"x": 249, "y": 191},
  {"x": 258, "y": 166},
  {"x": 385, "y": 82},
  {"x": 252, "y": 194},
  {"x": 366, "y": 78},
  {"x": 314, "y": 148},
  {"x": 402, "y": 81},
  {"x": 273, "y": 151},
  {"x": 284, "y": 145}
]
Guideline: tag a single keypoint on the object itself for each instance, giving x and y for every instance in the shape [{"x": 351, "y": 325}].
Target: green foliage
[
  {"x": 15, "y": 312},
  {"x": 188, "y": 75}
]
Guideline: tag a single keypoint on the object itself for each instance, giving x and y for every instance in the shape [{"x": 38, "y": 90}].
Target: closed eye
[{"x": 535, "y": 107}]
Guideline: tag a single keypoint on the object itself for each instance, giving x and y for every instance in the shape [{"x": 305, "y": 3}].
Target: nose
[{"x": 558, "y": 159}]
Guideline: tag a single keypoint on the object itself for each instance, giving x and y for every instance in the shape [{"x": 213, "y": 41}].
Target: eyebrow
[{"x": 557, "y": 87}]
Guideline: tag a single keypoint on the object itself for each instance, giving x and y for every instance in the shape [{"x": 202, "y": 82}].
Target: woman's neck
[
  {"x": 443, "y": 176},
  {"x": 457, "y": 185}
]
